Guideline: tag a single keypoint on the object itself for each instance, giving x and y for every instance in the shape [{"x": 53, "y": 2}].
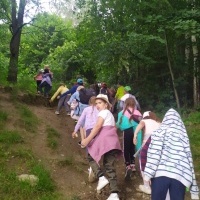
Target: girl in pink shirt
[{"x": 149, "y": 123}]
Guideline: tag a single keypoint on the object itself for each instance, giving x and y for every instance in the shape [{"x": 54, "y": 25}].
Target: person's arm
[
  {"x": 138, "y": 128},
  {"x": 55, "y": 94},
  {"x": 94, "y": 132},
  {"x": 71, "y": 91},
  {"x": 79, "y": 124}
]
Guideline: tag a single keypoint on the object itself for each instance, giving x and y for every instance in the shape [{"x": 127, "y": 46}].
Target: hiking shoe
[
  {"x": 103, "y": 181},
  {"x": 113, "y": 196},
  {"x": 133, "y": 167},
  {"x": 57, "y": 113},
  {"x": 146, "y": 190},
  {"x": 91, "y": 177},
  {"x": 128, "y": 172}
]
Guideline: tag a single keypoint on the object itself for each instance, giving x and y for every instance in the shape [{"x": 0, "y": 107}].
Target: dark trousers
[
  {"x": 160, "y": 186},
  {"x": 109, "y": 159},
  {"x": 46, "y": 87},
  {"x": 129, "y": 147},
  {"x": 38, "y": 85},
  {"x": 63, "y": 102}
]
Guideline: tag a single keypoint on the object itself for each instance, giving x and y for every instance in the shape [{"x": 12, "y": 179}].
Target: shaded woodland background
[{"x": 151, "y": 46}]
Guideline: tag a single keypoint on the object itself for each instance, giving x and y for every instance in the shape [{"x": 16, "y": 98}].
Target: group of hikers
[
  {"x": 44, "y": 80},
  {"x": 163, "y": 147}
]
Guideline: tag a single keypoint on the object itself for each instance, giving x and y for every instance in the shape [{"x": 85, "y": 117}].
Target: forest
[{"x": 151, "y": 45}]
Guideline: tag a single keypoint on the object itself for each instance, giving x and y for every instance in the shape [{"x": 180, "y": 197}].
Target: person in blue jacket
[{"x": 72, "y": 90}]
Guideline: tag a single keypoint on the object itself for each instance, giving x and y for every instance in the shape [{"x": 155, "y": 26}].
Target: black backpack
[{"x": 85, "y": 95}]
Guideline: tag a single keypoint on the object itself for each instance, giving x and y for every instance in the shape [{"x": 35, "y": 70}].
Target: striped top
[{"x": 169, "y": 153}]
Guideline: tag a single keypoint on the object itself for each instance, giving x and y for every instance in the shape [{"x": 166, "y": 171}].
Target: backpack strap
[{"x": 136, "y": 118}]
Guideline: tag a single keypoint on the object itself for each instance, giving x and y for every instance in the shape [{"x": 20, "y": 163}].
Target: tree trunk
[
  {"x": 195, "y": 69},
  {"x": 15, "y": 28},
  {"x": 171, "y": 72}
]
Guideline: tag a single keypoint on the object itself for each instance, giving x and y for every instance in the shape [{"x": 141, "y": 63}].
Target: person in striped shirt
[{"x": 169, "y": 164}]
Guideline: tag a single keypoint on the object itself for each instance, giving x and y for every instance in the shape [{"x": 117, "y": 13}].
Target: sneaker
[
  {"x": 68, "y": 113},
  {"x": 91, "y": 177},
  {"x": 57, "y": 113},
  {"x": 113, "y": 196},
  {"x": 146, "y": 190},
  {"x": 133, "y": 167},
  {"x": 128, "y": 172},
  {"x": 103, "y": 181}
]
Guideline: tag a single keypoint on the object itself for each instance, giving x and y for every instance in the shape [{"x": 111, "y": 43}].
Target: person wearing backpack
[
  {"x": 46, "y": 83},
  {"x": 126, "y": 95},
  {"x": 80, "y": 107},
  {"x": 73, "y": 89},
  {"x": 63, "y": 100},
  {"x": 85, "y": 94},
  {"x": 38, "y": 79},
  {"x": 128, "y": 120}
]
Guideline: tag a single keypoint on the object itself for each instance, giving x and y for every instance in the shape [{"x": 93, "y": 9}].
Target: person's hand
[
  {"x": 194, "y": 196},
  {"x": 84, "y": 142},
  {"x": 74, "y": 134},
  {"x": 58, "y": 97},
  {"x": 135, "y": 140}
]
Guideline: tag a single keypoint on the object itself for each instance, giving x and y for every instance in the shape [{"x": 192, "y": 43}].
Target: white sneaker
[
  {"x": 113, "y": 196},
  {"x": 146, "y": 190},
  {"x": 91, "y": 177},
  {"x": 57, "y": 113},
  {"x": 103, "y": 181}
]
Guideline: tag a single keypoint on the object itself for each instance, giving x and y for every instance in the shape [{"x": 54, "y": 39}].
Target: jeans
[
  {"x": 63, "y": 102},
  {"x": 160, "y": 186},
  {"x": 47, "y": 88}
]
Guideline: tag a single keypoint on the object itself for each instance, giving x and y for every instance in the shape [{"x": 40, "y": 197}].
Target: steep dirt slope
[{"x": 67, "y": 163}]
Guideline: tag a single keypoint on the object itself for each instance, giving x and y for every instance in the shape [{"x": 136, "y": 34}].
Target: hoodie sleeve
[{"x": 154, "y": 154}]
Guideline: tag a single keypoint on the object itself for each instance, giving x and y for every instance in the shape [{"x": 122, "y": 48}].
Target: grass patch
[
  {"x": 75, "y": 197},
  {"x": 192, "y": 123},
  {"x": 192, "y": 119},
  {"x": 45, "y": 182},
  {"x": 10, "y": 137},
  {"x": 27, "y": 119},
  {"x": 67, "y": 162},
  {"x": 52, "y": 136},
  {"x": 11, "y": 188},
  {"x": 3, "y": 119},
  {"x": 3, "y": 116}
]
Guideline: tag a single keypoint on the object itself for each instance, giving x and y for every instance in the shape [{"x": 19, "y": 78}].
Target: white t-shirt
[{"x": 108, "y": 117}]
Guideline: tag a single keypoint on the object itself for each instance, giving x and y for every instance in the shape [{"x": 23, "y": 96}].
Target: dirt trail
[{"x": 71, "y": 180}]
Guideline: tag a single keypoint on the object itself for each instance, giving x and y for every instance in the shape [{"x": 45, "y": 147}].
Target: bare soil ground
[{"x": 67, "y": 163}]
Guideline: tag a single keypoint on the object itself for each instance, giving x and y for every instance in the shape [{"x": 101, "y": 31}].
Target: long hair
[
  {"x": 153, "y": 116},
  {"x": 129, "y": 103},
  {"x": 92, "y": 102}
]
